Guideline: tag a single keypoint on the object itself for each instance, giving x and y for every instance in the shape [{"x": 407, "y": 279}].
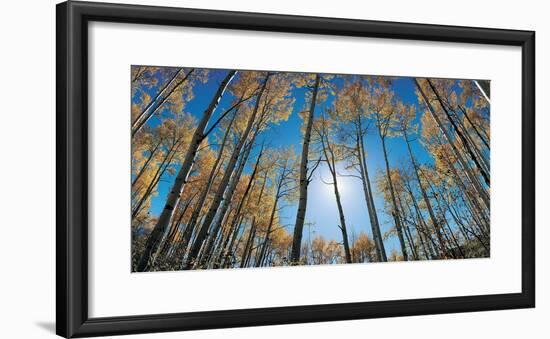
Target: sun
[{"x": 327, "y": 181}]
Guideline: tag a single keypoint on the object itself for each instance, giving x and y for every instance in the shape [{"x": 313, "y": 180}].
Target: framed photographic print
[{"x": 239, "y": 169}]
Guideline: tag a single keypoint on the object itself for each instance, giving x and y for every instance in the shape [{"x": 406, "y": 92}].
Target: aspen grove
[{"x": 236, "y": 169}]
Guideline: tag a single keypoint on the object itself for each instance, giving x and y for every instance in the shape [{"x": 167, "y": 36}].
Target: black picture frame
[{"x": 72, "y": 319}]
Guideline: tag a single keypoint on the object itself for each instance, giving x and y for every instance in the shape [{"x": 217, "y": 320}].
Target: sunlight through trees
[{"x": 227, "y": 166}]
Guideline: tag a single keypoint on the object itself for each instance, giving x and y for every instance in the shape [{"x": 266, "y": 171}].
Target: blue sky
[{"x": 322, "y": 212}]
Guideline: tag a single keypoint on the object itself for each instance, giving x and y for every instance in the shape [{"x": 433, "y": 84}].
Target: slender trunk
[
  {"x": 445, "y": 221},
  {"x": 475, "y": 218},
  {"x": 157, "y": 97},
  {"x": 141, "y": 120},
  {"x": 467, "y": 230},
  {"x": 263, "y": 246},
  {"x": 181, "y": 179},
  {"x": 266, "y": 258},
  {"x": 473, "y": 200},
  {"x": 253, "y": 225},
  {"x": 225, "y": 258},
  {"x": 419, "y": 233},
  {"x": 153, "y": 241},
  {"x": 215, "y": 214},
  {"x": 476, "y": 130},
  {"x": 343, "y": 228},
  {"x": 139, "y": 73},
  {"x": 406, "y": 227},
  {"x": 209, "y": 217},
  {"x": 238, "y": 211},
  {"x": 221, "y": 213},
  {"x": 270, "y": 224},
  {"x": 449, "y": 229},
  {"x": 234, "y": 228},
  {"x": 425, "y": 197},
  {"x": 229, "y": 260},
  {"x": 482, "y": 192},
  {"x": 373, "y": 215},
  {"x": 186, "y": 236},
  {"x": 395, "y": 211},
  {"x": 248, "y": 245},
  {"x": 332, "y": 168},
  {"x": 302, "y": 204},
  {"x": 453, "y": 237},
  {"x": 146, "y": 164},
  {"x": 166, "y": 161},
  {"x": 169, "y": 238},
  {"x": 475, "y": 147},
  {"x": 423, "y": 228},
  {"x": 480, "y": 168},
  {"x": 458, "y": 221}
]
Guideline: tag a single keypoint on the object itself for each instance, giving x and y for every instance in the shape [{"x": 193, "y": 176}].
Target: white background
[
  {"x": 113, "y": 288},
  {"x": 27, "y": 137}
]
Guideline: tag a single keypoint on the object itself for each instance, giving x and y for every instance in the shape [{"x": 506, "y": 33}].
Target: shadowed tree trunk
[{"x": 302, "y": 204}]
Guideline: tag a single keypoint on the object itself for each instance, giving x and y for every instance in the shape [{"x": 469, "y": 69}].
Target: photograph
[{"x": 256, "y": 168}]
